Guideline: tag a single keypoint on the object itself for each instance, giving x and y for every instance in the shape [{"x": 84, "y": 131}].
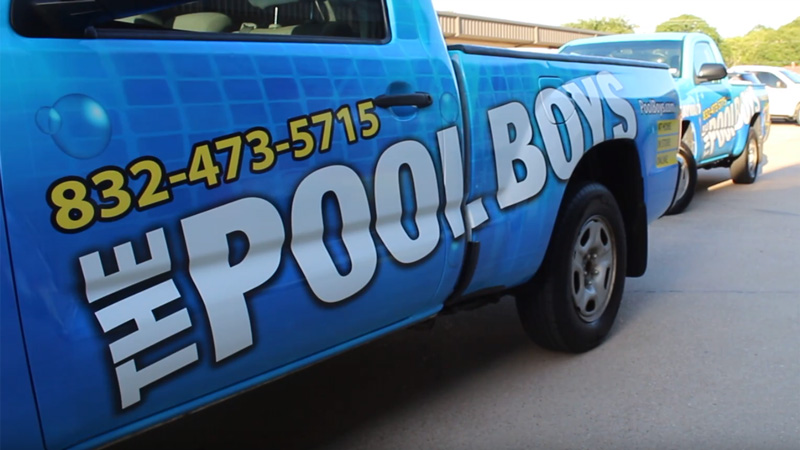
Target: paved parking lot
[{"x": 705, "y": 354}]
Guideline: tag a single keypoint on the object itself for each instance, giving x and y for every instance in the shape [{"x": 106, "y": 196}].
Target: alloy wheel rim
[{"x": 594, "y": 267}]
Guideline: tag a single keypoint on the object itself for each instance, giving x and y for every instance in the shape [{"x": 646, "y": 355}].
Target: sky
[{"x": 730, "y": 18}]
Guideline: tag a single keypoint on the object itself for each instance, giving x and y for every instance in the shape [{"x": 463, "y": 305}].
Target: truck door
[
  {"x": 204, "y": 196},
  {"x": 717, "y": 129}
]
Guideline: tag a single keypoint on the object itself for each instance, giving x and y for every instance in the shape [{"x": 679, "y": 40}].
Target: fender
[{"x": 20, "y": 417}]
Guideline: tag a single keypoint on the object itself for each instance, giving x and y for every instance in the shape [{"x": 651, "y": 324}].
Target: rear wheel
[
  {"x": 687, "y": 179},
  {"x": 744, "y": 169},
  {"x": 572, "y": 302},
  {"x": 797, "y": 114}
]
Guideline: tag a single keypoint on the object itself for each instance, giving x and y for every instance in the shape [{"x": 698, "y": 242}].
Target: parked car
[
  {"x": 724, "y": 124},
  {"x": 783, "y": 88}
]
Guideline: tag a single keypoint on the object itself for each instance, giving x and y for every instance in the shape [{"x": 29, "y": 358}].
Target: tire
[
  {"x": 797, "y": 114},
  {"x": 687, "y": 180},
  {"x": 744, "y": 169},
  {"x": 571, "y": 304}
]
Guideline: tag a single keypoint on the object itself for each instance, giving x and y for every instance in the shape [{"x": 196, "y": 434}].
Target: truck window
[
  {"x": 703, "y": 55},
  {"x": 665, "y": 52},
  {"x": 301, "y": 20}
]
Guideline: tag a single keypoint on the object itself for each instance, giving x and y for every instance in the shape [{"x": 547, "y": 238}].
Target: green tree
[
  {"x": 690, "y": 23},
  {"x": 618, "y": 25},
  {"x": 767, "y": 46}
]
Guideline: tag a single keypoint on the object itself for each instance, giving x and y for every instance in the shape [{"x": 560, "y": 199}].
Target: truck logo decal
[
  {"x": 654, "y": 107},
  {"x": 721, "y": 128},
  {"x": 107, "y": 194},
  {"x": 228, "y": 252}
]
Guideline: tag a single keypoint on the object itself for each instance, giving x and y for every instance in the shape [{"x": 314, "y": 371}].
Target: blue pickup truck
[
  {"x": 724, "y": 124},
  {"x": 200, "y": 197}
]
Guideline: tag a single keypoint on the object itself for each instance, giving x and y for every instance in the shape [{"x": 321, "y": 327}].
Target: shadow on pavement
[{"x": 322, "y": 403}]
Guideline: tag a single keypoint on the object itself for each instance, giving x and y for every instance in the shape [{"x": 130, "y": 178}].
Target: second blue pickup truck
[
  {"x": 724, "y": 124},
  {"x": 202, "y": 196}
]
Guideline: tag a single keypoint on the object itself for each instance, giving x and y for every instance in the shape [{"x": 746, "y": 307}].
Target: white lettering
[
  {"x": 509, "y": 149},
  {"x": 389, "y": 205},
  {"x": 590, "y": 104},
  {"x": 554, "y": 143},
  {"x": 223, "y": 287},
  {"x": 722, "y": 128},
  {"x": 453, "y": 168},
  {"x": 308, "y": 227},
  {"x": 132, "y": 380},
  {"x": 139, "y": 309},
  {"x": 149, "y": 332},
  {"x": 129, "y": 273},
  {"x": 609, "y": 86}
]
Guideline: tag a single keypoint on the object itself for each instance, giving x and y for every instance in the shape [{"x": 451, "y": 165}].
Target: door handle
[{"x": 418, "y": 99}]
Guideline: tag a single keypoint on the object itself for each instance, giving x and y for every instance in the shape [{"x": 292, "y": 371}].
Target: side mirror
[
  {"x": 780, "y": 84},
  {"x": 710, "y": 72}
]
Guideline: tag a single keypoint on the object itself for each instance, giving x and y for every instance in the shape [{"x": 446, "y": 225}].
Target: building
[{"x": 464, "y": 29}]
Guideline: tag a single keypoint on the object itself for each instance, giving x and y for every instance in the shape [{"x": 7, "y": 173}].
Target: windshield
[
  {"x": 794, "y": 76},
  {"x": 666, "y": 52}
]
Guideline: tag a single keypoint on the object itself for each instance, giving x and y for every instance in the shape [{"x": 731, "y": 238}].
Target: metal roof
[{"x": 465, "y": 29}]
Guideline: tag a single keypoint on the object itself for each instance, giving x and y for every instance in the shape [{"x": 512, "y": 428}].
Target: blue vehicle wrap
[
  {"x": 499, "y": 88},
  {"x": 20, "y": 422},
  {"x": 718, "y": 115},
  {"x": 188, "y": 218}
]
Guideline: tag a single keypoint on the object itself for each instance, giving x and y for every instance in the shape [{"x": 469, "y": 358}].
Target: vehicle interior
[{"x": 339, "y": 18}]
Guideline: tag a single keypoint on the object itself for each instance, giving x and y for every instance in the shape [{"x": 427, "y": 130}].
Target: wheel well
[
  {"x": 685, "y": 125},
  {"x": 615, "y": 164}
]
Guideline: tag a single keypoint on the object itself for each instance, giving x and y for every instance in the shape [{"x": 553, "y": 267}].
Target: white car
[{"x": 783, "y": 88}]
